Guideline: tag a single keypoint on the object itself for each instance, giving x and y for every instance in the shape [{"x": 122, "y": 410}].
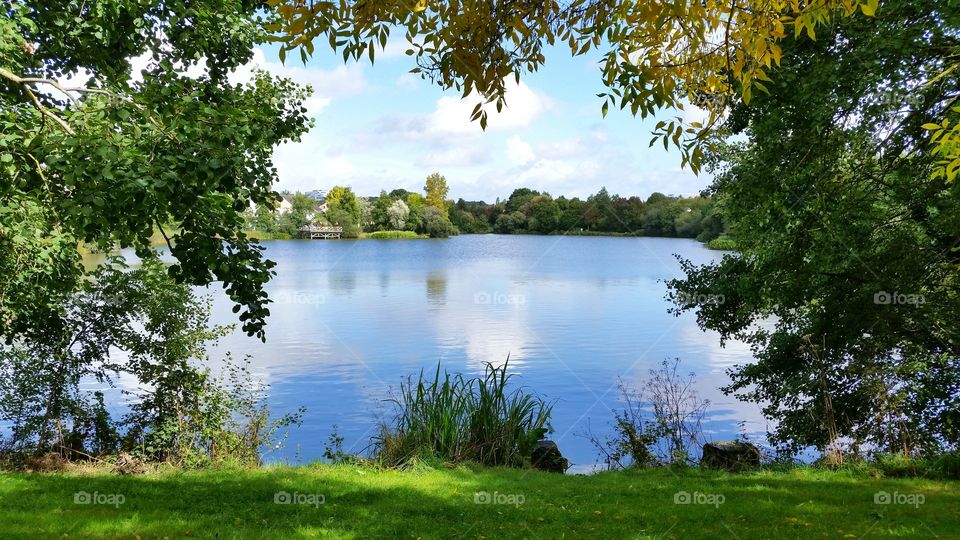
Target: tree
[
  {"x": 436, "y": 192},
  {"x": 141, "y": 312},
  {"x": 416, "y": 203},
  {"x": 366, "y": 213},
  {"x": 845, "y": 279},
  {"x": 544, "y": 214},
  {"x": 519, "y": 198},
  {"x": 342, "y": 218},
  {"x": 599, "y": 214},
  {"x": 379, "y": 211},
  {"x": 342, "y": 198},
  {"x": 400, "y": 193},
  {"x": 657, "y": 54},
  {"x": 630, "y": 213},
  {"x": 397, "y": 215},
  {"x": 139, "y": 324},
  {"x": 572, "y": 213},
  {"x": 262, "y": 218},
  {"x": 435, "y": 224},
  {"x": 109, "y": 162},
  {"x": 510, "y": 223},
  {"x": 303, "y": 211}
]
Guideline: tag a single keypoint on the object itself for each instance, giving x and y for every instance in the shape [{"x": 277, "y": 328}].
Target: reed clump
[{"x": 456, "y": 419}]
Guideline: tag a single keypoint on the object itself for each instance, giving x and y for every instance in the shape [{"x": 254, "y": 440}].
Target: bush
[
  {"x": 946, "y": 465},
  {"x": 723, "y": 243},
  {"x": 435, "y": 224},
  {"x": 456, "y": 419},
  {"x": 898, "y": 465},
  {"x": 669, "y": 435},
  {"x": 178, "y": 413},
  {"x": 342, "y": 218},
  {"x": 207, "y": 421},
  {"x": 392, "y": 235}
]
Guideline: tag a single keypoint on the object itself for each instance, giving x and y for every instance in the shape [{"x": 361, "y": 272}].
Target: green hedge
[{"x": 392, "y": 235}]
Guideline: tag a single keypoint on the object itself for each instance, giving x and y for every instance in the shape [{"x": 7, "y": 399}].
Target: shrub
[
  {"x": 661, "y": 424},
  {"x": 456, "y": 419},
  {"x": 946, "y": 465},
  {"x": 899, "y": 465},
  {"x": 207, "y": 420},
  {"x": 723, "y": 243},
  {"x": 393, "y": 235},
  {"x": 435, "y": 224},
  {"x": 136, "y": 323}
]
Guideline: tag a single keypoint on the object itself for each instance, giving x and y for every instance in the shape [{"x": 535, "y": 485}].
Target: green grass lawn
[{"x": 355, "y": 502}]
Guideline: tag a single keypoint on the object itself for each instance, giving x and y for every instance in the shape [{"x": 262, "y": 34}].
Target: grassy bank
[
  {"x": 260, "y": 235},
  {"x": 723, "y": 243},
  {"x": 392, "y": 235},
  {"x": 353, "y": 502}
]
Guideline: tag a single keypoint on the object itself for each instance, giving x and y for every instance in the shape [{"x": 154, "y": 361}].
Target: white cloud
[
  {"x": 518, "y": 151},
  {"x": 452, "y": 115},
  {"x": 564, "y": 148},
  {"x": 459, "y": 155},
  {"x": 408, "y": 81},
  {"x": 338, "y": 166}
]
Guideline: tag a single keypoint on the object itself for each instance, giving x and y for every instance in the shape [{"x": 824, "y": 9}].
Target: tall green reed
[{"x": 453, "y": 418}]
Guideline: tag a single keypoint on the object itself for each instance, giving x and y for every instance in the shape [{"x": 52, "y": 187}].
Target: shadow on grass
[{"x": 364, "y": 503}]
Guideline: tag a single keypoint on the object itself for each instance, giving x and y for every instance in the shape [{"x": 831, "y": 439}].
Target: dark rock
[
  {"x": 732, "y": 456},
  {"x": 547, "y": 457},
  {"x": 127, "y": 464}
]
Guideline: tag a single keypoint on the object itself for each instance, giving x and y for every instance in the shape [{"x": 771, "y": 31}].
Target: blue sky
[{"x": 380, "y": 127}]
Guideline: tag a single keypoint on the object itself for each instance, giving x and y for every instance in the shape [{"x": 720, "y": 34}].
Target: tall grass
[
  {"x": 392, "y": 235},
  {"x": 455, "y": 419}
]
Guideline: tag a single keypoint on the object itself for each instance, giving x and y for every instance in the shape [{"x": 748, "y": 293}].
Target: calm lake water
[{"x": 352, "y": 318}]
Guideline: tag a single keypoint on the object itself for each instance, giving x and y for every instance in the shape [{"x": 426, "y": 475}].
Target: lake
[{"x": 352, "y": 318}]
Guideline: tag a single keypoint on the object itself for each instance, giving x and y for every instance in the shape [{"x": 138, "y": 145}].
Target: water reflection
[
  {"x": 437, "y": 288},
  {"x": 342, "y": 282}
]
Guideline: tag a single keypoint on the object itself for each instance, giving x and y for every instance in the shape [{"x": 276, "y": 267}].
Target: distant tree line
[
  {"x": 399, "y": 210},
  {"x": 530, "y": 211},
  {"x": 526, "y": 211}
]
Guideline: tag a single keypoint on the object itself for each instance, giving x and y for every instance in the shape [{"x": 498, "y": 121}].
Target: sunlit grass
[
  {"x": 363, "y": 502},
  {"x": 392, "y": 235}
]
